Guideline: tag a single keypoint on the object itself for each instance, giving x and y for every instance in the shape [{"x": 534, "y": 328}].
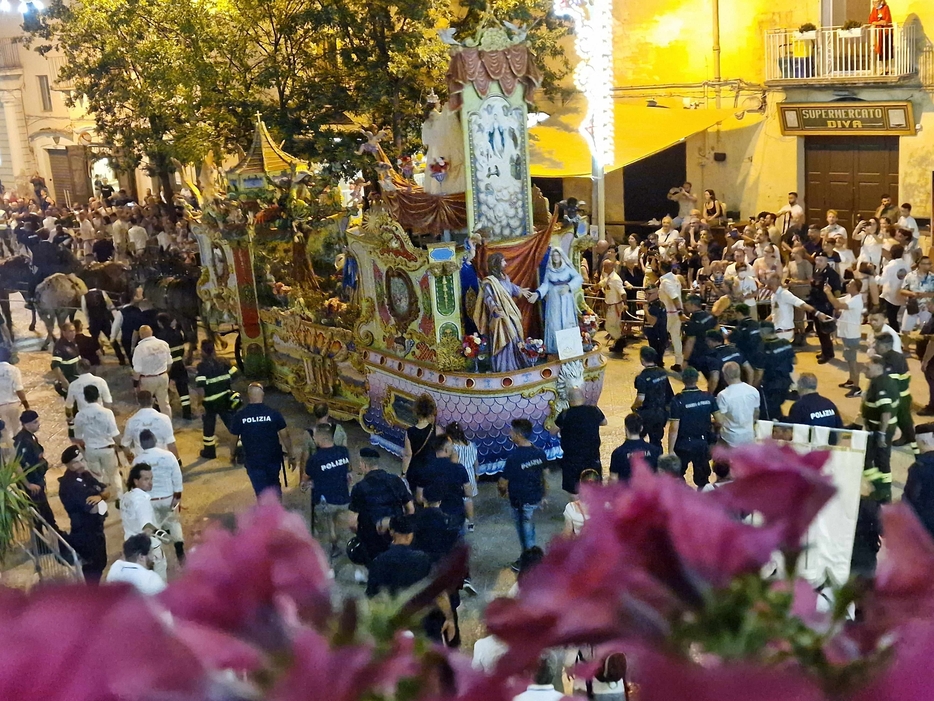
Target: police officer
[
  {"x": 32, "y": 461},
  {"x": 778, "y": 361},
  {"x": 65, "y": 357},
  {"x": 213, "y": 376},
  {"x": 373, "y": 500},
  {"x": 720, "y": 353},
  {"x": 695, "y": 343},
  {"x": 168, "y": 331},
  {"x": 747, "y": 337},
  {"x": 879, "y": 412},
  {"x": 896, "y": 367},
  {"x": 84, "y": 498},
  {"x": 655, "y": 326},
  {"x": 621, "y": 458},
  {"x": 919, "y": 487},
  {"x": 46, "y": 258},
  {"x": 824, "y": 274},
  {"x": 653, "y": 394},
  {"x": 811, "y": 408},
  {"x": 690, "y": 427},
  {"x": 264, "y": 436}
]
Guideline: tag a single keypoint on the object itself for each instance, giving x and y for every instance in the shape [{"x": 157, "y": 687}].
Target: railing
[
  {"x": 52, "y": 558},
  {"x": 9, "y": 54},
  {"x": 834, "y": 54}
]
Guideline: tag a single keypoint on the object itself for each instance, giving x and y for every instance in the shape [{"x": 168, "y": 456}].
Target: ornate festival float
[{"x": 455, "y": 282}]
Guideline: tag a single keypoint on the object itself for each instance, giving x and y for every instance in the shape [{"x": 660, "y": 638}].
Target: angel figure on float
[
  {"x": 498, "y": 317},
  {"x": 558, "y": 290},
  {"x": 372, "y": 141}
]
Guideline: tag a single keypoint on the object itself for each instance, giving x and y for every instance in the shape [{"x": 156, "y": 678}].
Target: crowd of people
[{"x": 723, "y": 308}]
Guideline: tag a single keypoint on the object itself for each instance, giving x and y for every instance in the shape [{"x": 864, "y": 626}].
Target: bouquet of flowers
[
  {"x": 474, "y": 346},
  {"x": 588, "y": 325},
  {"x": 533, "y": 348}
]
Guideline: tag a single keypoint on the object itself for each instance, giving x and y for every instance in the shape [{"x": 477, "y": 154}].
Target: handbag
[{"x": 913, "y": 307}]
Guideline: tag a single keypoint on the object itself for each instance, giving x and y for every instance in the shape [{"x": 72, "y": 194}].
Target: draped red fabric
[
  {"x": 424, "y": 213},
  {"x": 523, "y": 258},
  {"x": 509, "y": 67}
]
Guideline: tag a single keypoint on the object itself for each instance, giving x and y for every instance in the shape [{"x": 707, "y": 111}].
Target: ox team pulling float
[{"x": 474, "y": 320}]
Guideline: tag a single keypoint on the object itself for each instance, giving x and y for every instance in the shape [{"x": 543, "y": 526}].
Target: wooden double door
[{"x": 850, "y": 175}]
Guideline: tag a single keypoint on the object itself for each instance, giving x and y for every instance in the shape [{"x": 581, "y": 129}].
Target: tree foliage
[{"x": 176, "y": 79}]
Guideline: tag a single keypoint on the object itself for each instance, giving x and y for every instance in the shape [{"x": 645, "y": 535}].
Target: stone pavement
[{"x": 215, "y": 491}]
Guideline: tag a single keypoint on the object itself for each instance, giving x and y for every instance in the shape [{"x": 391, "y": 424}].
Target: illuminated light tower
[{"x": 593, "y": 27}]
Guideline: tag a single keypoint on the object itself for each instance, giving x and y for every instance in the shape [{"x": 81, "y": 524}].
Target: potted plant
[
  {"x": 806, "y": 32},
  {"x": 851, "y": 30},
  {"x": 15, "y": 505}
]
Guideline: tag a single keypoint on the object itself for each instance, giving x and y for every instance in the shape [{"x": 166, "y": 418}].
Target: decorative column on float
[
  {"x": 491, "y": 82},
  {"x": 444, "y": 267}
]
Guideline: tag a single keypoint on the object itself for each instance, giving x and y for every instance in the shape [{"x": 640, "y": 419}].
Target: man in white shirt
[
  {"x": 138, "y": 236},
  {"x": 137, "y": 515},
  {"x": 12, "y": 397},
  {"x": 793, "y": 213},
  {"x": 136, "y": 567},
  {"x": 845, "y": 254},
  {"x": 85, "y": 231},
  {"x": 147, "y": 418},
  {"x": 737, "y": 408},
  {"x": 166, "y": 494},
  {"x": 783, "y": 308},
  {"x": 86, "y": 378},
  {"x": 151, "y": 360},
  {"x": 96, "y": 430},
  {"x": 849, "y": 323},
  {"x": 877, "y": 327},
  {"x": 891, "y": 281},
  {"x": 833, "y": 228},
  {"x": 667, "y": 237},
  {"x": 906, "y": 221},
  {"x": 542, "y": 688},
  {"x": 669, "y": 292}
]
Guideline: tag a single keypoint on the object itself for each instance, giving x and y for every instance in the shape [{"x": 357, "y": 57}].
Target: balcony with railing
[
  {"x": 836, "y": 55},
  {"x": 9, "y": 54}
]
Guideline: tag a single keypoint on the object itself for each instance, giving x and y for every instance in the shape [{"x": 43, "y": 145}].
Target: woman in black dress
[{"x": 416, "y": 451}]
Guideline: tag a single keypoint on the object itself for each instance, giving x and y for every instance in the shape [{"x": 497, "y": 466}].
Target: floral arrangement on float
[
  {"x": 668, "y": 575},
  {"x": 476, "y": 349},
  {"x": 589, "y": 324},
  {"x": 533, "y": 349}
]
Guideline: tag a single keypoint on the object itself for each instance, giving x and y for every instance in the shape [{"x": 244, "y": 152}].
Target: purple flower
[
  {"x": 785, "y": 486},
  {"x": 247, "y": 581}
]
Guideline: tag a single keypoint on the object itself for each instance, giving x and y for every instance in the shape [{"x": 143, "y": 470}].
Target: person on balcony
[{"x": 880, "y": 19}]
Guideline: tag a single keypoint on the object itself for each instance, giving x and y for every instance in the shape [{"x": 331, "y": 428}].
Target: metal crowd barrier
[{"x": 52, "y": 558}]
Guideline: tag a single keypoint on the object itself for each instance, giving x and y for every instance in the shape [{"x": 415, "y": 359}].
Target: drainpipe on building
[{"x": 716, "y": 47}]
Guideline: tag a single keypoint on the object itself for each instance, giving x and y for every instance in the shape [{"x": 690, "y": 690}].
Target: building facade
[{"x": 841, "y": 116}]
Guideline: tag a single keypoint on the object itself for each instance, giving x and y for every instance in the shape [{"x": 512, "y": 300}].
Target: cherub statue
[
  {"x": 385, "y": 177},
  {"x": 372, "y": 141}
]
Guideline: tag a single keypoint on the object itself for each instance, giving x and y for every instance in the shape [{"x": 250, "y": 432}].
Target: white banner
[{"x": 829, "y": 540}]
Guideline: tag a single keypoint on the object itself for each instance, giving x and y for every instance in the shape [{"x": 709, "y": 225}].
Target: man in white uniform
[
  {"x": 669, "y": 292},
  {"x": 919, "y": 286},
  {"x": 147, "y": 418},
  {"x": 12, "y": 397},
  {"x": 86, "y": 378},
  {"x": 136, "y": 567},
  {"x": 96, "y": 431},
  {"x": 737, "y": 408},
  {"x": 783, "y": 308},
  {"x": 137, "y": 514},
  {"x": 151, "y": 360},
  {"x": 166, "y": 491}
]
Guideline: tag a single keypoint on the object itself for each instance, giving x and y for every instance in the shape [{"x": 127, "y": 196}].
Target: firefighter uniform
[
  {"x": 65, "y": 357},
  {"x": 178, "y": 373},
  {"x": 882, "y": 396},
  {"x": 896, "y": 367},
  {"x": 213, "y": 377}
]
